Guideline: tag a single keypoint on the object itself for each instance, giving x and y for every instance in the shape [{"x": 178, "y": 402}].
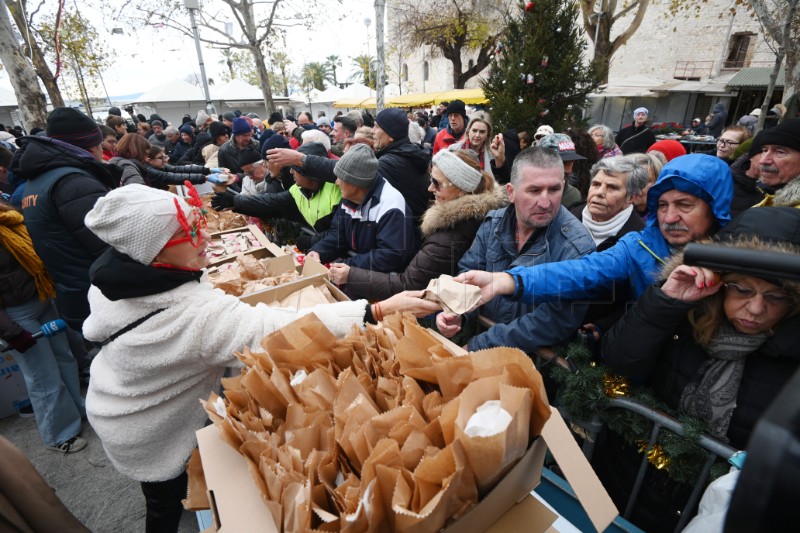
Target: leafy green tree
[
  {"x": 537, "y": 73},
  {"x": 280, "y": 65},
  {"x": 83, "y": 54},
  {"x": 333, "y": 61}
]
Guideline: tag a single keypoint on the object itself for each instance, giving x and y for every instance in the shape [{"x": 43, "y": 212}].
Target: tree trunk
[
  {"x": 773, "y": 76},
  {"x": 602, "y": 50},
  {"x": 454, "y": 55},
  {"x": 263, "y": 76},
  {"x": 31, "y": 100},
  {"x": 87, "y": 105},
  {"x": 37, "y": 56}
]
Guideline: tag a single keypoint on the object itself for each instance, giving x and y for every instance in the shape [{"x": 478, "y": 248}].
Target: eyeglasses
[
  {"x": 438, "y": 185},
  {"x": 740, "y": 292},
  {"x": 726, "y": 142},
  {"x": 199, "y": 223}
]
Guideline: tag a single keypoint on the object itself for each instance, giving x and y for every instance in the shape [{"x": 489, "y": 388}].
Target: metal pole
[
  {"x": 191, "y": 5},
  {"x": 379, "y": 83}
]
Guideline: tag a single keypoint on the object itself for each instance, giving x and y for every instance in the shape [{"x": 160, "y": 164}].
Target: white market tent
[
  {"x": 175, "y": 98},
  {"x": 8, "y": 104}
]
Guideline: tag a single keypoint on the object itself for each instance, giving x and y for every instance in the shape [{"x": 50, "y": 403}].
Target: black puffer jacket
[
  {"x": 229, "y": 155},
  {"x": 54, "y": 210},
  {"x": 405, "y": 166},
  {"x": 449, "y": 230},
  {"x": 16, "y": 288},
  {"x": 194, "y": 155},
  {"x": 175, "y": 175},
  {"x": 654, "y": 342},
  {"x": 745, "y": 192}
]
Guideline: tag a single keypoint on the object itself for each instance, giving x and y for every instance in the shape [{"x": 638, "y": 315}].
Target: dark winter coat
[
  {"x": 379, "y": 232},
  {"x": 228, "y": 156},
  {"x": 54, "y": 207},
  {"x": 194, "y": 155},
  {"x": 745, "y": 192},
  {"x": 634, "y": 139},
  {"x": 448, "y": 230},
  {"x": 653, "y": 342},
  {"x": 133, "y": 171},
  {"x": 175, "y": 175},
  {"x": 718, "y": 120},
  {"x": 182, "y": 147},
  {"x": 405, "y": 165},
  {"x": 16, "y": 288}
]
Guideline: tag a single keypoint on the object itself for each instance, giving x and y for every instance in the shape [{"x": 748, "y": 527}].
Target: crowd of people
[{"x": 574, "y": 234}]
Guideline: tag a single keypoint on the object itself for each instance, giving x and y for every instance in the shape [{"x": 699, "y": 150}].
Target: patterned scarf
[
  {"x": 712, "y": 397},
  {"x": 14, "y": 238}
]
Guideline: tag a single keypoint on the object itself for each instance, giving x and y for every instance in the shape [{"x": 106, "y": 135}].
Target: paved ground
[{"x": 97, "y": 495}]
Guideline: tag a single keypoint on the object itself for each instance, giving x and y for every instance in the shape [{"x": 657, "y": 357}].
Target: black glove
[
  {"x": 222, "y": 200},
  {"x": 21, "y": 342}
]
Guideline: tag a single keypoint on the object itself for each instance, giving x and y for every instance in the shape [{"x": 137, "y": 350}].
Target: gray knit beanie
[
  {"x": 458, "y": 172},
  {"x": 137, "y": 220},
  {"x": 358, "y": 166}
]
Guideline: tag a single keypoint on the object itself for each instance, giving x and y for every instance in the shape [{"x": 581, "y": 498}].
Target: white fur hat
[{"x": 136, "y": 220}]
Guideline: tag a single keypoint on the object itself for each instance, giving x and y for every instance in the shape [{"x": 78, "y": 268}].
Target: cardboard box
[
  {"x": 273, "y": 249},
  {"x": 281, "y": 292},
  {"x": 237, "y": 506},
  {"x": 13, "y": 393}
]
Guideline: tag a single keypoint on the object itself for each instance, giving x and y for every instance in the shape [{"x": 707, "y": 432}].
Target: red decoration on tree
[{"x": 529, "y": 6}]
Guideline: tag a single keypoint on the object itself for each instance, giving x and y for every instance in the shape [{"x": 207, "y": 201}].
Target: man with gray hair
[
  {"x": 173, "y": 137},
  {"x": 534, "y": 229}
]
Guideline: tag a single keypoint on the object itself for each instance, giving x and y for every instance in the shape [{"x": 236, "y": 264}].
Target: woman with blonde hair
[
  {"x": 478, "y": 138},
  {"x": 463, "y": 195},
  {"x": 716, "y": 346}
]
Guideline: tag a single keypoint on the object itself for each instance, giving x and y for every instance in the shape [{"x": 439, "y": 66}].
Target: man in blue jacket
[
  {"x": 533, "y": 230},
  {"x": 692, "y": 199},
  {"x": 372, "y": 228}
]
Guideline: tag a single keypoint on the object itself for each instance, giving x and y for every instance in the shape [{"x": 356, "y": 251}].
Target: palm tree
[
  {"x": 315, "y": 75},
  {"x": 332, "y": 62},
  {"x": 366, "y": 70},
  {"x": 281, "y": 62},
  {"x": 228, "y": 56}
]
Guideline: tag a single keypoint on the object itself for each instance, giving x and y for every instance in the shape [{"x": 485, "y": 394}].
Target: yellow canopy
[
  {"x": 350, "y": 102},
  {"x": 468, "y": 96},
  {"x": 412, "y": 100}
]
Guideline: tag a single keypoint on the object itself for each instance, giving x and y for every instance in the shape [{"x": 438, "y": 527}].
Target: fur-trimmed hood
[
  {"x": 444, "y": 216},
  {"x": 788, "y": 195}
]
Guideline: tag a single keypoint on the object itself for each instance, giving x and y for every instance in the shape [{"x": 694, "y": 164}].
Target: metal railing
[{"x": 692, "y": 70}]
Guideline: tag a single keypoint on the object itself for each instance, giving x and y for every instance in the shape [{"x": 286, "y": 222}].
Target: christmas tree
[{"x": 538, "y": 75}]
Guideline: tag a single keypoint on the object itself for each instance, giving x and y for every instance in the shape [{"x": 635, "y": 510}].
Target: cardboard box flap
[
  {"x": 235, "y": 500},
  {"x": 312, "y": 267},
  {"x": 579, "y": 473}
]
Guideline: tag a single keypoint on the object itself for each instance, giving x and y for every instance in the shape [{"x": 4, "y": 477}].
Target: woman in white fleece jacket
[{"x": 169, "y": 335}]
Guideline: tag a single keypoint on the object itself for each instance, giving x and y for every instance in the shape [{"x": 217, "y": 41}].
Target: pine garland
[{"x": 585, "y": 393}]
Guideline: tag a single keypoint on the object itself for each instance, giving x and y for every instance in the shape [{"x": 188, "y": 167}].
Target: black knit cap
[
  {"x": 772, "y": 224},
  {"x": 73, "y": 127},
  {"x": 218, "y": 128},
  {"x": 787, "y": 134},
  {"x": 458, "y": 107},
  {"x": 249, "y": 156},
  {"x": 394, "y": 122},
  {"x": 114, "y": 111},
  {"x": 317, "y": 149}
]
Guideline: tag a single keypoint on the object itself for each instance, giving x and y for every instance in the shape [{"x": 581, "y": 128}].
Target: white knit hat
[
  {"x": 458, "y": 172},
  {"x": 136, "y": 220}
]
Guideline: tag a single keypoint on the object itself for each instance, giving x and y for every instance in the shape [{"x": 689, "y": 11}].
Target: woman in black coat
[
  {"x": 464, "y": 195},
  {"x": 718, "y": 346}
]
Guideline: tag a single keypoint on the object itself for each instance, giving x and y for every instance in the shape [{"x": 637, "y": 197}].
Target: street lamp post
[
  {"x": 367, "y": 22},
  {"x": 192, "y": 6}
]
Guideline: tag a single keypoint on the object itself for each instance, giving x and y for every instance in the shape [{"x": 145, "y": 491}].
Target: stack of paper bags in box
[
  {"x": 375, "y": 432},
  {"x": 247, "y": 274}
]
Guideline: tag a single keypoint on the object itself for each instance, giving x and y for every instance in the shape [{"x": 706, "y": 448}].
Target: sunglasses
[{"x": 438, "y": 185}]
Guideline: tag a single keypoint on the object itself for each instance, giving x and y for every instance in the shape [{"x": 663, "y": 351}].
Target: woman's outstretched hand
[
  {"x": 491, "y": 283},
  {"x": 691, "y": 284}
]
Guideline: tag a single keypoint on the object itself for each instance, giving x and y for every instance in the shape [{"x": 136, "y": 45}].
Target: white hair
[
  {"x": 316, "y": 136},
  {"x": 415, "y": 133}
]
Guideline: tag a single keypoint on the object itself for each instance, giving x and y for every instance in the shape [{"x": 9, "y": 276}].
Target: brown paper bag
[
  {"x": 197, "y": 492},
  {"x": 454, "y": 297}
]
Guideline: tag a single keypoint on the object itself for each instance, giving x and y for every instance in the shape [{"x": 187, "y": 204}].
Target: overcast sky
[{"x": 159, "y": 55}]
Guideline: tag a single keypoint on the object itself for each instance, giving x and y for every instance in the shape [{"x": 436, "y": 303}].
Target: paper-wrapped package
[
  {"x": 456, "y": 298},
  {"x": 382, "y": 430}
]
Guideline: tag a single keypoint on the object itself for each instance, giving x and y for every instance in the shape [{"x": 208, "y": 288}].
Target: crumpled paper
[{"x": 454, "y": 297}]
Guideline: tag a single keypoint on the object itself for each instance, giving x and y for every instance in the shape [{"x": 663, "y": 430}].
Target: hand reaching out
[
  {"x": 491, "y": 283},
  {"x": 448, "y": 324},
  {"x": 690, "y": 284}
]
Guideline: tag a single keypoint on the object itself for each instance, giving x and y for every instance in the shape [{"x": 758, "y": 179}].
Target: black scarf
[{"x": 118, "y": 277}]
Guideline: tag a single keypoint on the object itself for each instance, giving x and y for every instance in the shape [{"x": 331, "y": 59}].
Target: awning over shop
[
  {"x": 755, "y": 78},
  {"x": 468, "y": 96}
]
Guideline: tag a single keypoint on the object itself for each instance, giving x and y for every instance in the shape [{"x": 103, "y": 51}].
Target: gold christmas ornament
[{"x": 615, "y": 386}]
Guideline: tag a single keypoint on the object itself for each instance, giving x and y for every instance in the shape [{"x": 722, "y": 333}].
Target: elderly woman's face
[
  {"x": 186, "y": 253},
  {"x": 598, "y": 137},
  {"x": 753, "y": 305},
  {"x": 441, "y": 187},
  {"x": 608, "y": 195}
]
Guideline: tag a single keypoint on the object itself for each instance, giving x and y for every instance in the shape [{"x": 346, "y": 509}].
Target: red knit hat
[{"x": 671, "y": 149}]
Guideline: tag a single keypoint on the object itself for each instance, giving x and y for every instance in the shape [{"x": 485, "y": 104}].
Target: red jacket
[{"x": 444, "y": 139}]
